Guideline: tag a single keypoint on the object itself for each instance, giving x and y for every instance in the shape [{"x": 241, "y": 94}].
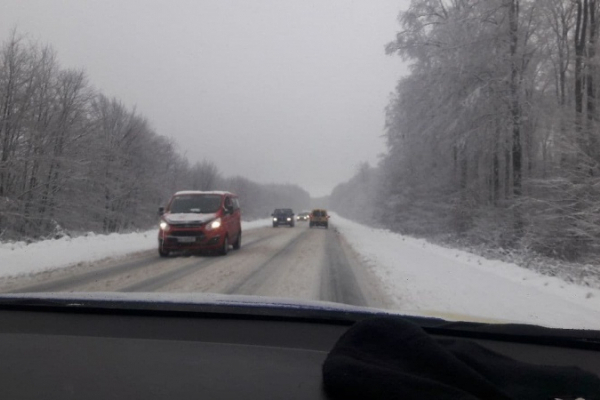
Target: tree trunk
[
  {"x": 580, "y": 39},
  {"x": 515, "y": 104},
  {"x": 591, "y": 73}
]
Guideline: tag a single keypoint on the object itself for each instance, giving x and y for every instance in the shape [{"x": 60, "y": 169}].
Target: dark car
[{"x": 283, "y": 216}]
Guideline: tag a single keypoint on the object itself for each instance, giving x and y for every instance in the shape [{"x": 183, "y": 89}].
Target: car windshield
[
  {"x": 206, "y": 203},
  {"x": 449, "y": 164}
]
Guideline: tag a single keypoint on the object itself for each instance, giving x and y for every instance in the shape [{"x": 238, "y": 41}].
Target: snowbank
[
  {"x": 20, "y": 258},
  {"x": 426, "y": 279},
  {"x": 259, "y": 223}
]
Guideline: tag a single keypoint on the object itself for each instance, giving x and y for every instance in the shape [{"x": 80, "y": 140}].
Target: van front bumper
[{"x": 190, "y": 240}]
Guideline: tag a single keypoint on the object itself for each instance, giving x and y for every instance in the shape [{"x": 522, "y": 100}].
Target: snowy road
[
  {"x": 349, "y": 263},
  {"x": 314, "y": 264}
]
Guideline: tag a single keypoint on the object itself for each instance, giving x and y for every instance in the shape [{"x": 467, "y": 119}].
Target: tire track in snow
[
  {"x": 250, "y": 284},
  {"x": 338, "y": 281},
  {"x": 91, "y": 276},
  {"x": 164, "y": 279},
  {"x": 103, "y": 274}
]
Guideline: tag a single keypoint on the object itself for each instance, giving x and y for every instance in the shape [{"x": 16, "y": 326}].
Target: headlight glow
[
  {"x": 164, "y": 226},
  {"x": 274, "y": 219},
  {"x": 214, "y": 224},
  {"x": 289, "y": 219}
]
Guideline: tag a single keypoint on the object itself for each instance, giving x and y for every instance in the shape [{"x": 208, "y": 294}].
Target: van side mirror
[{"x": 161, "y": 210}]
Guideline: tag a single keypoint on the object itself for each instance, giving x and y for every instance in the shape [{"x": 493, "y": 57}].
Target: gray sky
[{"x": 278, "y": 91}]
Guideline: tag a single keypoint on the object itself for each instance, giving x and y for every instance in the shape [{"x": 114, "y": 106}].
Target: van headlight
[
  {"x": 274, "y": 219},
  {"x": 163, "y": 226},
  {"x": 289, "y": 219},
  {"x": 215, "y": 224}
]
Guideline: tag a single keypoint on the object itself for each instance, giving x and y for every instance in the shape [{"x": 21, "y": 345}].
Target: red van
[{"x": 195, "y": 221}]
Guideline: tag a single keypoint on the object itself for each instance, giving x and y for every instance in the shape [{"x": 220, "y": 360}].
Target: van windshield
[{"x": 197, "y": 203}]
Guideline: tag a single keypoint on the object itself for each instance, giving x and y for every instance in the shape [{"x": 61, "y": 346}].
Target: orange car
[{"x": 319, "y": 217}]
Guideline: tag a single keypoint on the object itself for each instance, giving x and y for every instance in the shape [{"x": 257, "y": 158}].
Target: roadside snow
[
  {"x": 259, "y": 223},
  {"x": 426, "y": 279},
  {"x": 20, "y": 258}
]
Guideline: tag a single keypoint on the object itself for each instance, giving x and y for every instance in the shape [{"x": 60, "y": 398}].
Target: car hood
[
  {"x": 252, "y": 307},
  {"x": 223, "y": 302},
  {"x": 186, "y": 218},
  {"x": 81, "y": 298}
]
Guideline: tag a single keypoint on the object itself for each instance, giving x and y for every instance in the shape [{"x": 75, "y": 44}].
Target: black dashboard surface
[
  {"x": 51, "y": 353},
  {"x": 78, "y": 356}
]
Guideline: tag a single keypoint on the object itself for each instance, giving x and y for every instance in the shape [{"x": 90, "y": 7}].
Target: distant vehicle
[
  {"x": 195, "y": 221},
  {"x": 319, "y": 217},
  {"x": 283, "y": 216},
  {"x": 303, "y": 216}
]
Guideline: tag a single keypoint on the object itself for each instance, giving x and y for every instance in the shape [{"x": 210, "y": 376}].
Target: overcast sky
[{"x": 278, "y": 91}]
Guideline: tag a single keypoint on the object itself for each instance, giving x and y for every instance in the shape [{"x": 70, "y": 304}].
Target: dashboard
[{"x": 119, "y": 350}]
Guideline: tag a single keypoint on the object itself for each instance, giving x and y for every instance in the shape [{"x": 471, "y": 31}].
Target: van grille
[{"x": 187, "y": 233}]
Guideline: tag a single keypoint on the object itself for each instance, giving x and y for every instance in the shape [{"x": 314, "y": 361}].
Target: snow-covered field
[
  {"x": 426, "y": 279},
  {"x": 20, "y": 258}
]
